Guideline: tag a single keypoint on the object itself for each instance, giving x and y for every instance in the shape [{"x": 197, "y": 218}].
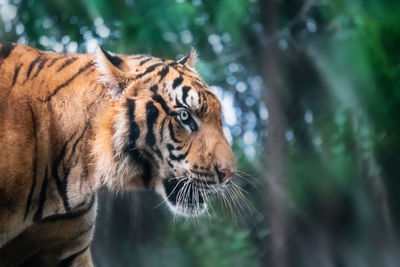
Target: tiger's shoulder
[{"x": 23, "y": 67}]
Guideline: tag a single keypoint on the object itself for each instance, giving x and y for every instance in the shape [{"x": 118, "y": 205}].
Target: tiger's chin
[{"x": 183, "y": 198}]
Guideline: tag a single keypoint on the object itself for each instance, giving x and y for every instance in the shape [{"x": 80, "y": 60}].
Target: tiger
[{"x": 72, "y": 124}]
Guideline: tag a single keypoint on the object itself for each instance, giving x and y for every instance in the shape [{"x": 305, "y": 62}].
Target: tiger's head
[{"x": 163, "y": 131}]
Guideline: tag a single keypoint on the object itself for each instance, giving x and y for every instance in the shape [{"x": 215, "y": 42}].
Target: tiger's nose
[{"x": 223, "y": 174}]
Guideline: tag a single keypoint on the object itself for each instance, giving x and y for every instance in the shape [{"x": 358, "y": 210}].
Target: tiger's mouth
[{"x": 187, "y": 196}]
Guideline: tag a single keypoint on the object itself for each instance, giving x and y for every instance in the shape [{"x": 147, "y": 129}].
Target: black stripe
[
  {"x": 31, "y": 66},
  {"x": 68, "y": 261},
  {"x": 179, "y": 104},
  {"x": 163, "y": 73},
  {"x": 188, "y": 150},
  {"x": 148, "y": 70},
  {"x": 177, "y": 82},
  {"x": 192, "y": 124},
  {"x": 34, "y": 165},
  {"x": 199, "y": 97},
  {"x": 185, "y": 91},
  {"x": 161, "y": 133},
  {"x": 203, "y": 98},
  {"x": 173, "y": 65},
  {"x": 67, "y": 63},
  {"x": 202, "y": 110},
  {"x": 123, "y": 84},
  {"x": 197, "y": 85},
  {"x": 5, "y": 51},
  {"x": 147, "y": 80},
  {"x": 77, "y": 141},
  {"x": 178, "y": 148},
  {"x": 147, "y": 167},
  {"x": 134, "y": 153},
  {"x": 54, "y": 61},
  {"x": 161, "y": 101},
  {"x": 79, "y": 138},
  {"x": 199, "y": 81},
  {"x": 73, "y": 214},
  {"x": 204, "y": 95},
  {"x": 82, "y": 69},
  {"x": 136, "y": 57},
  {"x": 40, "y": 67},
  {"x": 61, "y": 184},
  {"x": 179, "y": 157},
  {"x": 144, "y": 61},
  {"x": 82, "y": 232},
  {"x": 42, "y": 198},
  {"x": 16, "y": 71},
  {"x": 172, "y": 133},
  {"x": 152, "y": 114},
  {"x": 158, "y": 153},
  {"x": 134, "y": 128},
  {"x": 154, "y": 88},
  {"x": 147, "y": 172}
]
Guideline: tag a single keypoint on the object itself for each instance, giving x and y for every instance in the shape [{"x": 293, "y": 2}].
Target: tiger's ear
[
  {"x": 111, "y": 71},
  {"x": 190, "y": 59}
]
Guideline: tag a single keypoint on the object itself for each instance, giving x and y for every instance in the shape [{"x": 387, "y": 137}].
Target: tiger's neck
[
  {"x": 75, "y": 127},
  {"x": 85, "y": 153},
  {"x": 112, "y": 165},
  {"x": 68, "y": 174}
]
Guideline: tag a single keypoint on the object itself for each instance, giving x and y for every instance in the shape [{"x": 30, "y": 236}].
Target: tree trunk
[{"x": 273, "y": 96}]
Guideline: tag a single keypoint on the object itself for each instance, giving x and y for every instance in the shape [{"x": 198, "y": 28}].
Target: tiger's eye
[{"x": 184, "y": 115}]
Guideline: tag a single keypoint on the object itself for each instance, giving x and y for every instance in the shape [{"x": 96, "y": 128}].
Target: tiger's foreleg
[{"x": 55, "y": 241}]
